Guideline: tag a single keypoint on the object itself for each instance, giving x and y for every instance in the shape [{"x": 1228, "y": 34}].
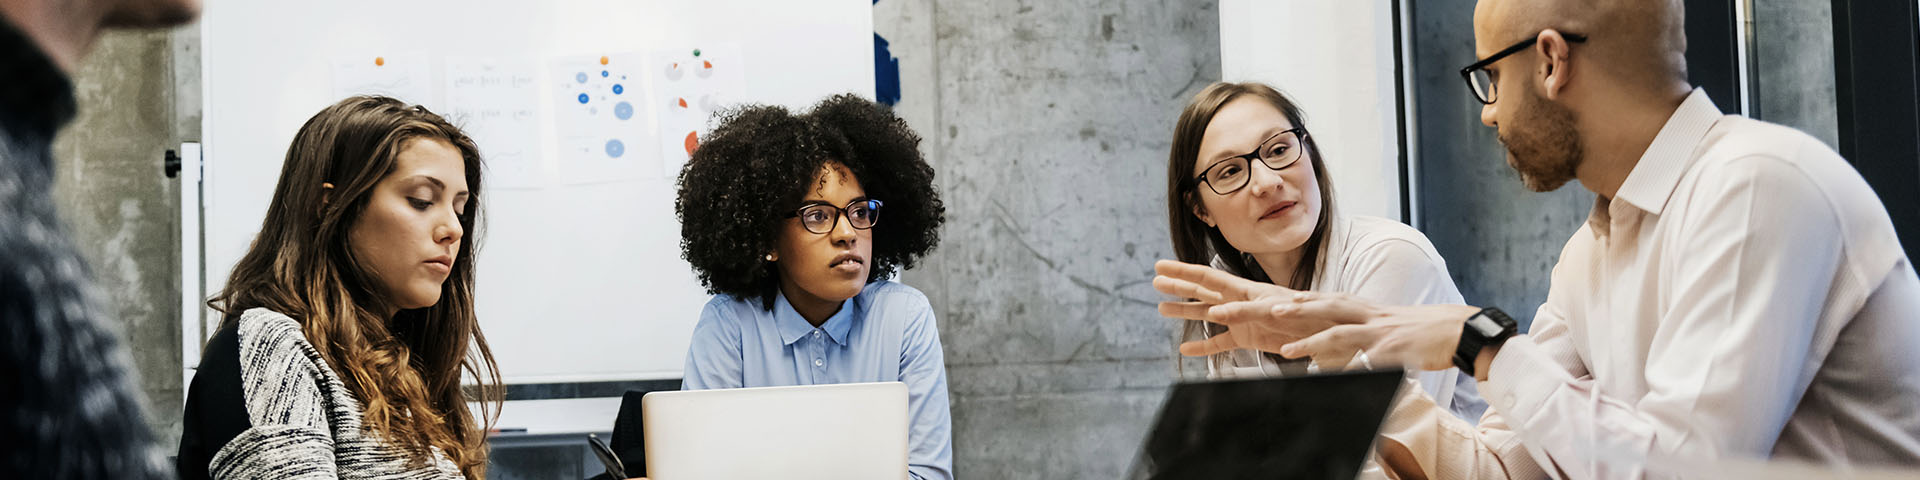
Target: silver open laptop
[{"x": 846, "y": 431}]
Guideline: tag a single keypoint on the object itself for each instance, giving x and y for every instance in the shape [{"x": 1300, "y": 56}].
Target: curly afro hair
[{"x": 755, "y": 168}]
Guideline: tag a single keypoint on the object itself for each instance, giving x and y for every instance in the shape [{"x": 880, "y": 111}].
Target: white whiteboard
[
  {"x": 1336, "y": 60},
  {"x": 576, "y": 281}
]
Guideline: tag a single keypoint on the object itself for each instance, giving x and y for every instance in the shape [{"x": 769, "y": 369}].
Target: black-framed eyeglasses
[
  {"x": 1277, "y": 152},
  {"x": 819, "y": 217},
  {"x": 1481, "y": 81}
]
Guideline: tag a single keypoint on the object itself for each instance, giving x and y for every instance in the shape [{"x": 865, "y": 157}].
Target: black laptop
[{"x": 1308, "y": 427}]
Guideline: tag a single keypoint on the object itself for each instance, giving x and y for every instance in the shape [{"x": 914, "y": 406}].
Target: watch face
[{"x": 1486, "y": 326}]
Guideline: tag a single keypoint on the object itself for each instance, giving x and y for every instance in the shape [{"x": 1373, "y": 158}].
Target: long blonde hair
[{"x": 406, "y": 370}]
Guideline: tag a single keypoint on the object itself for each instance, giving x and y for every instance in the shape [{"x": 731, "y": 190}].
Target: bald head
[{"x": 1640, "y": 43}]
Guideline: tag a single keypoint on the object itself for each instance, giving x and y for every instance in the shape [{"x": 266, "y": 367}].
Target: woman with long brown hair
[
  {"x": 1248, "y": 193},
  {"x": 349, "y": 323}
]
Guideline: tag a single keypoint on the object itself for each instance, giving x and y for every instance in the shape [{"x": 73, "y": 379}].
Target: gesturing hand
[
  {"x": 1329, "y": 327},
  {"x": 1247, "y": 307}
]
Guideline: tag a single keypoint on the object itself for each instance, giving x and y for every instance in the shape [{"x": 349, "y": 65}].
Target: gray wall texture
[
  {"x": 1792, "y": 59},
  {"x": 123, "y": 210},
  {"x": 1049, "y": 124}
]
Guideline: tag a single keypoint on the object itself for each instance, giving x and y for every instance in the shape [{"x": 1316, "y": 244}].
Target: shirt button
[
  {"x": 818, "y": 362},
  {"x": 816, "y": 333}
]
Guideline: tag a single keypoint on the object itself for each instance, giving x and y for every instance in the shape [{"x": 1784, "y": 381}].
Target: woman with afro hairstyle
[{"x": 795, "y": 223}]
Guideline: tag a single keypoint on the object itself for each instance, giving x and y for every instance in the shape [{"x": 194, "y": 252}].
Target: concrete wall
[
  {"x": 122, "y": 208},
  {"x": 1792, "y": 58},
  {"x": 1049, "y": 123}
]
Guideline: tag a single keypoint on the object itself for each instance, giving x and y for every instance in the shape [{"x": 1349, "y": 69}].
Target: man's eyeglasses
[
  {"x": 1481, "y": 81},
  {"x": 820, "y": 217},
  {"x": 1280, "y": 151}
]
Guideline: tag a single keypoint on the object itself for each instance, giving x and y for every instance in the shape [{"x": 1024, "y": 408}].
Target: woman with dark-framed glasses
[
  {"x": 796, "y": 223},
  {"x": 1248, "y": 194}
]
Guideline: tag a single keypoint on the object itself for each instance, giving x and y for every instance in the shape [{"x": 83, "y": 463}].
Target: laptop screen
[{"x": 1315, "y": 426}]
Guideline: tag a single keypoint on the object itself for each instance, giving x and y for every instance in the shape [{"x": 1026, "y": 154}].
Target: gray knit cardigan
[{"x": 305, "y": 424}]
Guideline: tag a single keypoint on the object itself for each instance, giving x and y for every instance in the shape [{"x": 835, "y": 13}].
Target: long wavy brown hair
[
  {"x": 1193, "y": 240},
  {"x": 406, "y": 370}
]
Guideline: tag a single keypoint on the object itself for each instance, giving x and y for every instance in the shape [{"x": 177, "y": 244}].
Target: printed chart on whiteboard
[
  {"x": 494, "y": 99},
  {"x": 598, "y": 120},
  {"x": 692, "y": 84}
]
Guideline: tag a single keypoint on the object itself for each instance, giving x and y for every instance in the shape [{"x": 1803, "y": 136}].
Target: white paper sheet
[
  {"x": 495, "y": 101},
  {"x": 600, "y": 120},
  {"x": 691, "y": 84}
]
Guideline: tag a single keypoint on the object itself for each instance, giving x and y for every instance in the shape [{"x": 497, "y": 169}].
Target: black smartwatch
[{"x": 1490, "y": 327}]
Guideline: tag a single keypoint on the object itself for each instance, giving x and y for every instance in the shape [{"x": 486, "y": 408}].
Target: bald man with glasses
[{"x": 1737, "y": 290}]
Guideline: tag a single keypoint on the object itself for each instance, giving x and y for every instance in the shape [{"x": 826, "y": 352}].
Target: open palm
[{"x": 1255, "y": 312}]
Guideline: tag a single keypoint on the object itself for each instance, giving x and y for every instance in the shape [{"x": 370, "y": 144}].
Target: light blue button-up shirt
[{"x": 884, "y": 334}]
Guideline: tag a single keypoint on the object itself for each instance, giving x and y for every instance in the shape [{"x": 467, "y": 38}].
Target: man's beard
[{"x": 1544, "y": 147}]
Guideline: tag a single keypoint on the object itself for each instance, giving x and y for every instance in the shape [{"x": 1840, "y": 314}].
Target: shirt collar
[
  {"x": 36, "y": 97},
  {"x": 1654, "y": 177},
  {"x": 794, "y": 327}
]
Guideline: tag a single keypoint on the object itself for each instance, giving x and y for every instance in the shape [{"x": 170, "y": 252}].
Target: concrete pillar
[
  {"x": 1049, "y": 127},
  {"x": 122, "y": 209}
]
